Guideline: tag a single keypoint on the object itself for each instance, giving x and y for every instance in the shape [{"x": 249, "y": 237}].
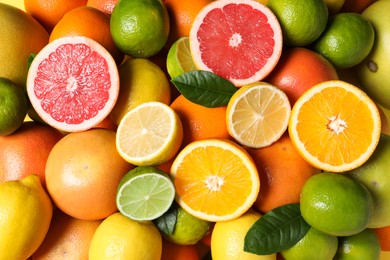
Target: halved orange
[
  {"x": 215, "y": 179},
  {"x": 335, "y": 126}
]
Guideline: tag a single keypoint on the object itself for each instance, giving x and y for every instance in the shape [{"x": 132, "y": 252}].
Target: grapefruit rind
[
  {"x": 303, "y": 146},
  {"x": 58, "y": 78},
  {"x": 246, "y": 57}
]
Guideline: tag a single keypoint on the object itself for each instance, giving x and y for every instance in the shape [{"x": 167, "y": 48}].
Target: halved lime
[
  {"x": 179, "y": 59},
  {"x": 145, "y": 193}
]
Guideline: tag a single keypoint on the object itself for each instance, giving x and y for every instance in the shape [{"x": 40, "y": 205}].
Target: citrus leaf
[
  {"x": 167, "y": 222},
  {"x": 204, "y": 88},
  {"x": 277, "y": 230},
  {"x": 31, "y": 57}
]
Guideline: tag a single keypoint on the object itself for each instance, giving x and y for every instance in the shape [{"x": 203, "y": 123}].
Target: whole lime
[
  {"x": 13, "y": 106},
  {"x": 374, "y": 174},
  {"x": 140, "y": 28},
  {"x": 347, "y": 40},
  {"x": 302, "y": 21},
  {"x": 363, "y": 245},
  {"x": 373, "y": 73},
  {"x": 336, "y": 204}
]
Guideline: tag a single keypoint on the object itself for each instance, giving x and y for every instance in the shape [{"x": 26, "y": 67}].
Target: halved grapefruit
[
  {"x": 240, "y": 40},
  {"x": 73, "y": 83}
]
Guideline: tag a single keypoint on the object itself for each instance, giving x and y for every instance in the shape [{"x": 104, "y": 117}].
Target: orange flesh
[{"x": 333, "y": 126}]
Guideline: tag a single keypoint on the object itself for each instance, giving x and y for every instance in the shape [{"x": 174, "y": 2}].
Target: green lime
[
  {"x": 314, "y": 245},
  {"x": 140, "y": 28},
  {"x": 145, "y": 193},
  {"x": 302, "y": 21},
  {"x": 188, "y": 228},
  {"x": 336, "y": 204},
  {"x": 347, "y": 40},
  {"x": 334, "y": 6},
  {"x": 364, "y": 245},
  {"x": 179, "y": 59},
  {"x": 13, "y": 106}
]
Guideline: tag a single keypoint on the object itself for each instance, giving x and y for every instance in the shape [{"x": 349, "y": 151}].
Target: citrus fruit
[
  {"x": 200, "y": 122},
  {"x": 384, "y": 255},
  {"x": 26, "y": 212},
  {"x": 215, "y": 172},
  {"x": 356, "y": 6},
  {"x": 282, "y": 173},
  {"x": 257, "y": 114},
  {"x": 181, "y": 16},
  {"x": 172, "y": 251},
  {"x": 179, "y": 59},
  {"x": 48, "y": 13},
  {"x": 83, "y": 171},
  {"x": 73, "y": 83},
  {"x": 106, "y": 6},
  {"x": 298, "y": 70},
  {"x": 140, "y": 28},
  {"x": 17, "y": 3},
  {"x": 373, "y": 73},
  {"x": 149, "y": 134},
  {"x": 141, "y": 80},
  {"x": 364, "y": 245},
  {"x": 13, "y": 106},
  {"x": 373, "y": 175},
  {"x": 334, "y": 6},
  {"x": 83, "y": 21},
  {"x": 25, "y": 151},
  {"x": 314, "y": 245},
  {"x": 67, "y": 237},
  {"x": 145, "y": 193},
  {"x": 336, "y": 204},
  {"x": 119, "y": 237},
  {"x": 188, "y": 229},
  {"x": 383, "y": 235},
  {"x": 237, "y": 40},
  {"x": 302, "y": 21},
  {"x": 227, "y": 239},
  {"x": 347, "y": 40},
  {"x": 21, "y": 36},
  {"x": 332, "y": 119}
]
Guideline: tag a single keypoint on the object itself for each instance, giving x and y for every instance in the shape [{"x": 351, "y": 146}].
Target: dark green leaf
[
  {"x": 167, "y": 222},
  {"x": 277, "y": 230},
  {"x": 30, "y": 59},
  {"x": 204, "y": 88}
]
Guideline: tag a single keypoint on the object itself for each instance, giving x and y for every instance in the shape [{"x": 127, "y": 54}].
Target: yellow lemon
[{"x": 26, "y": 212}]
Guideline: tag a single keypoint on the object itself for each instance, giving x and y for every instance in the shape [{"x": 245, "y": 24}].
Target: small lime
[
  {"x": 145, "y": 193},
  {"x": 302, "y": 21},
  {"x": 179, "y": 59},
  {"x": 140, "y": 28},
  {"x": 364, "y": 245},
  {"x": 347, "y": 40},
  {"x": 314, "y": 245},
  {"x": 336, "y": 204},
  {"x": 13, "y": 106}
]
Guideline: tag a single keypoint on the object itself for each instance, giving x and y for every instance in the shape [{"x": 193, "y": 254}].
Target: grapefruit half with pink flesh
[
  {"x": 239, "y": 40},
  {"x": 73, "y": 83}
]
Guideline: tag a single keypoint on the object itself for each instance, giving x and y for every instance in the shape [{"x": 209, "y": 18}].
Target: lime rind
[
  {"x": 145, "y": 193},
  {"x": 179, "y": 58}
]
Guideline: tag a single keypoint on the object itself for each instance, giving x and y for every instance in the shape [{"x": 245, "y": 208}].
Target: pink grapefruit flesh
[
  {"x": 240, "y": 40},
  {"x": 73, "y": 83}
]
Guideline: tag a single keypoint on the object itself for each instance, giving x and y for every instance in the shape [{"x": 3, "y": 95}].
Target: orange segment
[
  {"x": 335, "y": 126},
  {"x": 215, "y": 179}
]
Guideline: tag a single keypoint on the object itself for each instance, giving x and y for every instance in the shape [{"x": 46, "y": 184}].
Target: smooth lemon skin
[
  {"x": 26, "y": 212},
  {"x": 119, "y": 237}
]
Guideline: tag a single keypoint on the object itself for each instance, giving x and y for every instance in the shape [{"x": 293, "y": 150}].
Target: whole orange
[
  {"x": 200, "y": 122},
  {"x": 182, "y": 14},
  {"x": 172, "y": 251},
  {"x": 25, "y": 151},
  {"x": 103, "y": 5},
  {"x": 298, "y": 70},
  {"x": 356, "y": 6},
  {"x": 384, "y": 237},
  {"x": 282, "y": 174},
  {"x": 84, "y": 21},
  {"x": 83, "y": 172},
  {"x": 48, "y": 13},
  {"x": 67, "y": 238}
]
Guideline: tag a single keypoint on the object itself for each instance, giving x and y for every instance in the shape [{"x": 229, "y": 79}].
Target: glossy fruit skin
[{"x": 373, "y": 73}]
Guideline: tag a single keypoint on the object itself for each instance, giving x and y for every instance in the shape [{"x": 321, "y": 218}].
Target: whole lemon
[{"x": 26, "y": 212}]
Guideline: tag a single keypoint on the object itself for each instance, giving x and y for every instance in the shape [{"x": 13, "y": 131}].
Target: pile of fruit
[{"x": 205, "y": 129}]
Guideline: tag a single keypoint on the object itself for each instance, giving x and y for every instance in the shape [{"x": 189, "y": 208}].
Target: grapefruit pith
[
  {"x": 73, "y": 83},
  {"x": 240, "y": 40}
]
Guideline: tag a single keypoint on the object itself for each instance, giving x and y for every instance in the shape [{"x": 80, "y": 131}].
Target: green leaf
[
  {"x": 167, "y": 222},
  {"x": 31, "y": 57},
  {"x": 277, "y": 230},
  {"x": 204, "y": 88}
]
